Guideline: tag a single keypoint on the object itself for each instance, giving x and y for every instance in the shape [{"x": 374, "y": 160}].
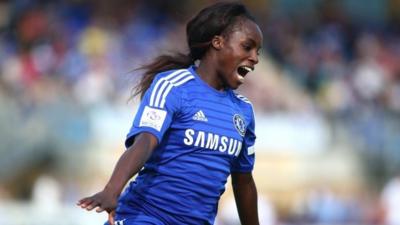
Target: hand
[{"x": 103, "y": 201}]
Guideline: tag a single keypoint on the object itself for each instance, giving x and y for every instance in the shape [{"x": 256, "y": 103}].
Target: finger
[
  {"x": 93, "y": 205},
  {"x": 84, "y": 203},
  {"x": 81, "y": 201},
  {"x": 111, "y": 216},
  {"x": 99, "y": 209}
]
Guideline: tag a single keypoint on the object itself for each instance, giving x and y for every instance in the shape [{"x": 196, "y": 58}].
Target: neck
[{"x": 208, "y": 73}]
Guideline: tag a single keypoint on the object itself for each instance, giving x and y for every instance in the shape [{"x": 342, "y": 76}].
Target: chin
[{"x": 235, "y": 86}]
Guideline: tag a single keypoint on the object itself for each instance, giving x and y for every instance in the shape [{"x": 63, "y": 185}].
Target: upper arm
[
  {"x": 239, "y": 179},
  {"x": 158, "y": 106},
  {"x": 144, "y": 140}
]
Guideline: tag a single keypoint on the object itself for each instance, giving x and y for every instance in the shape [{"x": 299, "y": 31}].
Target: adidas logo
[{"x": 200, "y": 116}]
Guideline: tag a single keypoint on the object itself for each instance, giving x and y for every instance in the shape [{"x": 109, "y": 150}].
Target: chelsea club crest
[{"x": 238, "y": 121}]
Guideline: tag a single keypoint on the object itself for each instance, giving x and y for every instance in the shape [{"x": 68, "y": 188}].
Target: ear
[{"x": 217, "y": 42}]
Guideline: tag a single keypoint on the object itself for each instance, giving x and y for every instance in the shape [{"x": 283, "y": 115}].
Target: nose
[{"x": 254, "y": 57}]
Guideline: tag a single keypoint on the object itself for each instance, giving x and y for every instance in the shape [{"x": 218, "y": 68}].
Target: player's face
[{"x": 239, "y": 53}]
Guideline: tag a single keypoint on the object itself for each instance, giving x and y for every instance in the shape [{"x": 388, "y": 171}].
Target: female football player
[{"x": 191, "y": 130}]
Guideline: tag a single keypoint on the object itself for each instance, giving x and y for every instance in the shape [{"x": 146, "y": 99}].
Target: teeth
[{"x": 249, "y": 69}]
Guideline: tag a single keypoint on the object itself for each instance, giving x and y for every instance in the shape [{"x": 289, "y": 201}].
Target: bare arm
[
  {"x": 130, "y": 162},
  {"x": 245, "y": 192}
]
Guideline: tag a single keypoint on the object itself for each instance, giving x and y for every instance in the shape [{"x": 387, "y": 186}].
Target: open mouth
[{"x": 243, "y": 71}]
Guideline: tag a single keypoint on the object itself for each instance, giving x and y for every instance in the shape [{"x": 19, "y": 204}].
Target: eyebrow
[{"x": 253, "y": 42}]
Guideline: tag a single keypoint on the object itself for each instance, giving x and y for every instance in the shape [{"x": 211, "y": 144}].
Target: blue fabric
[
  {"x": 203, "y": 136},
  {"x": 137, "y": 219}
]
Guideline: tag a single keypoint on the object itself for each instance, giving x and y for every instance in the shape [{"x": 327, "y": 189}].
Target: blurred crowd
[
  {"x": 67, "y": 69},
  {"x": 345, "y": 57}
]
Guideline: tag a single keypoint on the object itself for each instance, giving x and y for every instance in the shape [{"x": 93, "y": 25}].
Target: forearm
[
  {"x": 245, "y": 193},
  {"x": 131, "y": 161}
]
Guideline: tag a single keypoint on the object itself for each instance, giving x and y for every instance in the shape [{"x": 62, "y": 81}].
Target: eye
[{"x": 246, "y": 47}]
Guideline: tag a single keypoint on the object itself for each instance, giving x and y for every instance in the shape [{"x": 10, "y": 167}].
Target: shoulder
[
  {"x": 174, "y": 77},
  {"x": 168, "y": 85},
  {"x": 243, "y": 101},
  {"x": 242, "y": 98}
]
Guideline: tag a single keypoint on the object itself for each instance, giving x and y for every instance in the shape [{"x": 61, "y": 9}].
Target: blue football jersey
[{"x": 203, "y": 135}]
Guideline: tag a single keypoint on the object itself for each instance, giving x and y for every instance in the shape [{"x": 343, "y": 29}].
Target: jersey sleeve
[
  {"x": 156, "y": 110},
  {"x": 246, "y": 158}
]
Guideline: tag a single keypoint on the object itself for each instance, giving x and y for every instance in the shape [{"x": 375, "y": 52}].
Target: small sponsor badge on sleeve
[{"x": 153, "y": 118}]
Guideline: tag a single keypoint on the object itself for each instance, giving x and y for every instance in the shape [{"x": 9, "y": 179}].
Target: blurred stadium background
[{"x": 326, "y": 95}]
